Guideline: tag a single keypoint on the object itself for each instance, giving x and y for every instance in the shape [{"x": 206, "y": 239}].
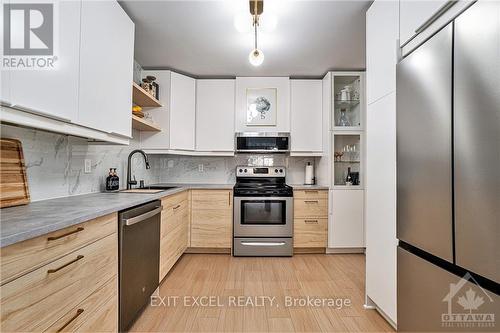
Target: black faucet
[{"x": 129, "y": 167}]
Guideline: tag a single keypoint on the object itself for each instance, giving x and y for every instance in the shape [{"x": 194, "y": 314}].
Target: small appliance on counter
[
  {"x": 263, "y": 212},
  {"x": 309, "y": 178}
]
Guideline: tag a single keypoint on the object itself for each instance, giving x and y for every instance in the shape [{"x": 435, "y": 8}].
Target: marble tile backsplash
[{"x": 55, "y": 164}]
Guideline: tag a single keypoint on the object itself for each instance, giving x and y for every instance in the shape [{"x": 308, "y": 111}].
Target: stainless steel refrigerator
[{"x": 448, "y": 177}]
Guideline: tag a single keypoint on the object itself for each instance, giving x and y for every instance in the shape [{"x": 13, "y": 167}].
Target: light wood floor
[{"x": 315, "y": 275}]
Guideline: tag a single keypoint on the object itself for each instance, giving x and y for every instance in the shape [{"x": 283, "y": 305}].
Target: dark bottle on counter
[
  {"x": 109, "y": 180},
  {"x": 115, "y": 181},
  {"x": 112, "y": 181},
  {"x": 348, "y": 178}
]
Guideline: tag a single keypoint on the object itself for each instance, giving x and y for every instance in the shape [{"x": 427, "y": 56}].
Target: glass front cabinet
[{"x": 347, "y": 103}]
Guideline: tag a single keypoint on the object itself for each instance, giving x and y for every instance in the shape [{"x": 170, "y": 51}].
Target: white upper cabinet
[
  {"x": 215, "y": 115},
  {"x": 106, "y": 68},
  {"x": 53, "y": 92},
  {"x": 177, "y": 116},
  {"x": 182, "y": 112},
  {"x": 414, "y": 14},
  {"x": 306, "y": 117},
  {"x": 382, "y": 33}
]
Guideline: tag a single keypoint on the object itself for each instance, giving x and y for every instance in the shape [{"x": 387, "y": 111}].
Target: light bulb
[{"x": 256, "y": 57}]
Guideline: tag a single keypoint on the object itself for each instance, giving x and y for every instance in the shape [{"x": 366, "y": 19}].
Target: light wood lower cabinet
[
  {"x": 38, "y": 299},
  {"x": 97, "y": 313},
  {"x": 20, "y": 258},
  {"x": 211, "y": 218},
  {"x": 174, "y": 230},
  {"x": 310, "y": 219}
]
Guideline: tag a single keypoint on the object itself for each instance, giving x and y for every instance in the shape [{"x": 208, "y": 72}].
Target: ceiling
[{"x": 199, "y": 37}]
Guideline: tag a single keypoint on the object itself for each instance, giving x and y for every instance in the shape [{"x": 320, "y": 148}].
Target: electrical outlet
[
  {"x": 200, "y": 167},
  {"x": 88, "y": 166}
]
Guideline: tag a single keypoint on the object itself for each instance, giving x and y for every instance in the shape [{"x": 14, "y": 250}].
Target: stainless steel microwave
[{"x": 262, "y": 142}]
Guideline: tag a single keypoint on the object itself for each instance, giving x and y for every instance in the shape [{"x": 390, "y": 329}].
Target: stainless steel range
[{"x": 263, "y": 212}]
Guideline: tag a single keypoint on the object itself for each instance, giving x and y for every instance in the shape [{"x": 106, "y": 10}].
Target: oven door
[{"x": 263, "y": 216}]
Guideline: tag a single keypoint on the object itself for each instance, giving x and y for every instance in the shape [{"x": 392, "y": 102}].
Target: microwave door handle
[{"x": 142, "y": 217}]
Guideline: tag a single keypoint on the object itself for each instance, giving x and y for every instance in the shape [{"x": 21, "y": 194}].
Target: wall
[
  {"x": 55, "y": 164},
  {"x": 221, "y": 170}
]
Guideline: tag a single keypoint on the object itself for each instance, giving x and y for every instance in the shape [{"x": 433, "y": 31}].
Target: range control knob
[
  {"x": 241, "y": 170},
  {"x": 246, "y": 170},
  {"x": 276, "y": 170},
  {"x": 281, "y": 170}
]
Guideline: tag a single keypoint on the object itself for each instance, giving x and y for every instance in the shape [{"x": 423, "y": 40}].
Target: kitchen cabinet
[
  {"x": 182, "y": 112},
  {"x": 347, "y": 229},
  {"x": 211, "y": 218},
  {"x": 382, "y": 32},
  {"x": 414, "y": 16},
  {"x": 174, "y": 230},
  {"x": 53, "y": 92},
  {"x": 176, "y": 118},
  {"x": 306, "y": 117},
  {"x": 70, "y": 270},
  {"x": 106, "y": 72},
  {"x": 215, "y": 115},
  {"x": 310, "y": 219}
]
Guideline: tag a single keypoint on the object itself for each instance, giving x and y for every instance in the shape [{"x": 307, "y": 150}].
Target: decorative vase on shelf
[{"x": 343, "y": 120}]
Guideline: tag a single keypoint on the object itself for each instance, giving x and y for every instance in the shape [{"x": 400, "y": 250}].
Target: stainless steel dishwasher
[{"x": 139, "y": 258}]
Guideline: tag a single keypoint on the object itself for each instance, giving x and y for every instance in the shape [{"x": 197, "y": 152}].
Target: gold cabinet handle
[
  {"x": 311, "y": 221},
  {"x": 311, "y": 201},
  {"x": 176, "y": 207},
  {"x": 311, "y": 191},
  {"x": 77, "y": 314},
  {"x": 65, "y": 265},
  {"x": 52, "y": 238},
  {"x": 229, "y": 198}
]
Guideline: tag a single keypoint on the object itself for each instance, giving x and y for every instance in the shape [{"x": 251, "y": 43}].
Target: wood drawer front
[
  {"x": 310, "y": 232},
  {"x": 310, "y": 208},
  {"x": 172, "y": 246},
  {"x": 174, "y": 216},
  {"x": 174, "y": 200},
  {"x": 23, "y": 257},
  {"x": 36, "y": 300},
  {"x": 97, "y": 313},
  {"x": 211, "y": 228},
  {"x": 310, "y": 194},
  {"x": 212, "y": 199}
]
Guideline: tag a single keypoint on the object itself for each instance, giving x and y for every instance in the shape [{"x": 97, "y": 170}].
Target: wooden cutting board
[{"x": 13, "y": 181}]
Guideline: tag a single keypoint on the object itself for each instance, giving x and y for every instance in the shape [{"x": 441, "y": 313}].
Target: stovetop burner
[{"x": 261, "y": 182}]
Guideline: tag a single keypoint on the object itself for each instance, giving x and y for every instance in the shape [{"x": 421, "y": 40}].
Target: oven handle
[{"x": 263, "y": 243}]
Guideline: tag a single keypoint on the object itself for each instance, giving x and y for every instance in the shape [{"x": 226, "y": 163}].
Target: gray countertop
[{"x": 41, "y": 217}]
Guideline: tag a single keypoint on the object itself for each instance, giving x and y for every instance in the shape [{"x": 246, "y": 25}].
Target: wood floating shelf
[
  {"x": 144, "y": 125},
  {"x": 142, "y": 98}
]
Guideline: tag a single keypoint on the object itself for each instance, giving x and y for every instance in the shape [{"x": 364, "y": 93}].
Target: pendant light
[{"x": 256, "y": 56}]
